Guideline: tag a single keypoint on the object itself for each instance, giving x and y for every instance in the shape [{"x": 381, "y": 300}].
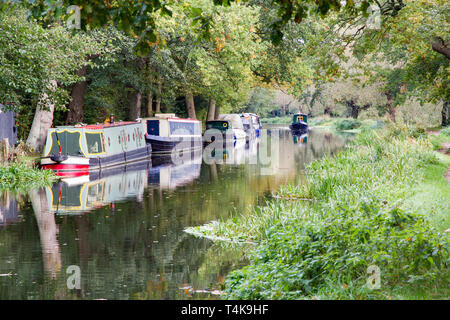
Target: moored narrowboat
[
  {"x": 249, "y": 128},
  {"x": 166, "y": 132},
  {"x": 299, "y": 123},
  {"x": 81, "y": 149},
  {"x": 230, "y": 127},
  {"x": 256, "y": 123}
]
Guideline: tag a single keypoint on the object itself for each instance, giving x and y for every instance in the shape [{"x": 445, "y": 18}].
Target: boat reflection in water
[
  {"x": 72, "y": 196},
  {"x": 86, "y": 193},
  {"x": 300, "y": 138},
  {"x": 230, "y": 153},
  {"x": 8, "y": 209},
  {"x": 178, "y": 169}
]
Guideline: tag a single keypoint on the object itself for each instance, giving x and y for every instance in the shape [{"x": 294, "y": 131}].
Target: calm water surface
[{"x": 125, "y": 229}]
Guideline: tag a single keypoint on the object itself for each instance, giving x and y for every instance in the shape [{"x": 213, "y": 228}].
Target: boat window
[
  {"x": 69, "y": 141},
  {"x": 220, "y": 125},
  {"x": 94, "y": 142},
  {"x": 184, "y": 128},
  {"x": 153, "y": 127}
]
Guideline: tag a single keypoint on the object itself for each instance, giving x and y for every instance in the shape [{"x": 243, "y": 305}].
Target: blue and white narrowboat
[
  {"x": 166, "y": 132},
  {"x": 256, "y": 123},
  {"x": 249, "y": 128}
]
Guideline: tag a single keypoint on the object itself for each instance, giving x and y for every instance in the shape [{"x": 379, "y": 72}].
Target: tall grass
[
  {"x": 318, "y": 238},
  {"x": 20, "y": 176}
]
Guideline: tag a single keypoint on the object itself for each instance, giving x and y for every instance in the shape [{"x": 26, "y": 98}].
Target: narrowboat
[
  {"x": 249, "y": 129},
  {"x": 82, "y": 149},
  {"x": 166, "y": 132},
  {"x": 256, "y": 123},
  {"x": 230, "y": 126},
  {"x": 299, "y": 123}
]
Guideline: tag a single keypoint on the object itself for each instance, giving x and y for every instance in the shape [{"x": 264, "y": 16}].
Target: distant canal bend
[{"x": 122, "y": 233}]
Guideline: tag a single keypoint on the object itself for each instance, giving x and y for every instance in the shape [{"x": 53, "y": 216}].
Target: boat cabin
[
  {"x": 83, "y": 148},
  {"x": 166, "y": 132},
  {"x": 168, "y": 125},
  {"x": 299, "y": 117}
]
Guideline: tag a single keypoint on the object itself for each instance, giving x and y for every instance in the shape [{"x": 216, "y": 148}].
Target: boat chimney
[{"x": 111, "y": 118}]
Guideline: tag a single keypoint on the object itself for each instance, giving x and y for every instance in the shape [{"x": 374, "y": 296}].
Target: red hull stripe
[
  {"x": 66, "y": 167},
  {"x": 72, "y": 174}
]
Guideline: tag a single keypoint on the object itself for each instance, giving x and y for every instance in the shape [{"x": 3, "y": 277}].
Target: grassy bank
[
  {"x": 332, "y": 124},
  {"x": 21, "y": 173},
  {"x": 381, "y": 202},
  {"x": 277, "y": 120}
]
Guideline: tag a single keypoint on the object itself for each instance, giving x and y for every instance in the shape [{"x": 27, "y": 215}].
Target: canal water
[{"x": 121, "y": 235}]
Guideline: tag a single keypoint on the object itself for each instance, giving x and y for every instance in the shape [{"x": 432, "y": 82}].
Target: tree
[
  {"x": 404, "y": 51},
  {"x": 36, "y": 66}
]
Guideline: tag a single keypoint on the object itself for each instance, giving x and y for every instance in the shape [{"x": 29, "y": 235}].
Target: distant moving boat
[
  {"x": 299, "y": 123},
  {"x": 229, "y": 125},
  {"x": 166, "y": 132},
  {"x": 81, "y": 149}
]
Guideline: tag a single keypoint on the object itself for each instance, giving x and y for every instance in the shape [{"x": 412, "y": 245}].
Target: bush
[
  {"x": 445, "y": 131},
  {"x": 347, "y": 124},
  {"x": 298, "y": 259},
  {"x": 22, "y": 177}
]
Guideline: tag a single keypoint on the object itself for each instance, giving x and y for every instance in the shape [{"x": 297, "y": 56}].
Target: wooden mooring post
[{"x": 4, "y": 150}]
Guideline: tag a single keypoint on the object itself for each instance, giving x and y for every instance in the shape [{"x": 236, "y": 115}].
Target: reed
[{"x": 360, "y": 212}]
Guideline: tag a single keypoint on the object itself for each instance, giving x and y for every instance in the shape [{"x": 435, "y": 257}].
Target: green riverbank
[
  {"x": 381, "y": 202},
  {"x": 23, "y": 175}
]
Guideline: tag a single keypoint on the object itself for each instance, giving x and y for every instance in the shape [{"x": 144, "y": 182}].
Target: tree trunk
[
  {"x": 150, "y": 97},
  {"x": 190, "y": 105},
  {"x": 390, "y": 106},
  {"x": 217, "y": 112},
  {"x": 135, "y": 105},
  {"x": 354, "y": 109},
  {"x": 438, "y": 44},
  {"x": 446, "y": 114},
  {"x": 150, "y": 104},
  {"x": 158, "y": 97},
  {"x": 42, "y": 121},
  {"x": 76, "y": 103},
  {"x": 211, "y": 110}
]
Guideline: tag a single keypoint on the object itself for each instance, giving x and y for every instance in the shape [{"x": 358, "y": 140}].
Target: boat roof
[
  {"x": 98, "y": 126},
  {"x": 172, "y": 119}
]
